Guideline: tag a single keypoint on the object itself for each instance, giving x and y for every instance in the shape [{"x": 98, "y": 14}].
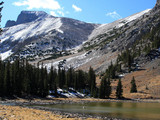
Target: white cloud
[
  {"x": 57, "y": 13},
  {"x": 114, "y": 15},
  {"x": 60, "y": 13},
  {"x": 77, "y": 9},
  {"x": 45, "y": 4},
  {"x": 53, "y": 13}
]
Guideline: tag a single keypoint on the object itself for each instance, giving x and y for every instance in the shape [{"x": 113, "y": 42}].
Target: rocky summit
[{"x": 26, "y": 17}]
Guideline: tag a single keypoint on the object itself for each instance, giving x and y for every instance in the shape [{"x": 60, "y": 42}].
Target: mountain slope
[
  {"x": 105, "y": 28},
  {"x": 107, "y": 41},
  {"x": 43, "y": 32},
  {"x": 107, "y": 44},
  {"x": 102, "y": 46}
]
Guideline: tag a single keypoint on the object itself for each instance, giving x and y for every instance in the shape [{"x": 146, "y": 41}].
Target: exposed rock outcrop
[{"x": 10, "y": 23}]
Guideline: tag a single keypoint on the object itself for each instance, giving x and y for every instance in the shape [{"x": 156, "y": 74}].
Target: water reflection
[
  {"x": 119, "y": 105},
  {"x": 138, "y": 111}
]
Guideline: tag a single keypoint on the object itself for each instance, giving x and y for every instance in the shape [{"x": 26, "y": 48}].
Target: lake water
[{"x": 137, "y": 111}]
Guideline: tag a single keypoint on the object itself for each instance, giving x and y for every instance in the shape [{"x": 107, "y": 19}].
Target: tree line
[{"x": 22, "y": 79}]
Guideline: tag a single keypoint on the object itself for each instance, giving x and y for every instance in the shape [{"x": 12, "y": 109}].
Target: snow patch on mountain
[
  {"x": 104, "y": 28},
  {"x": 24, "y": 31},
  {"x": 74, "y": 62},
  {"x": 6, "y": 54},
  {"x": 135, "y": 16}
]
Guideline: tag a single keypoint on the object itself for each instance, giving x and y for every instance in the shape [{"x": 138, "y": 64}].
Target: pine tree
[
  {"x": 59, "y": 77},
  {"x": 108, "y": 88},
  {"x": 105, "y": 88},
  {"x": 102, "y": 90},
  {"x": 18, "y": 77},
  {"x": 45, "y": 83},
  {"x": 76, "y": 82},
  {"x": 133, "y": 86},
  {"x": 41, "y": 83},
  {"x": 119, "y": 90},
  {"x": 52, "y": 79},
  {"x": 2, "y": 67},
  {"x": 92, "y": 80},
  {"x": 63, "y": 78},
  {"x": 7, "y": 80},
  {"x": 112, "y": 71},
  {"x": 55, "y": 82},
  {"x": 81, "y": 78},
  {"x": 69, "y": 80}
]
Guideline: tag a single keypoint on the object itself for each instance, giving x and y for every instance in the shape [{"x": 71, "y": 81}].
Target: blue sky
[{"x": 95, "y": 11}]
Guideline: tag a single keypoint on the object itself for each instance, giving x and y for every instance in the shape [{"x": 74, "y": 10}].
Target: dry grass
[
  {"x": 147, "y": 81},
  {"x": 20, "y": 113}
]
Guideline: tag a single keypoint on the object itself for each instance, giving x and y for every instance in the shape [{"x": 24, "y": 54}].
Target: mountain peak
[
  {"x": 37, "y": 13},
  {"x": 27, "y": 16}
]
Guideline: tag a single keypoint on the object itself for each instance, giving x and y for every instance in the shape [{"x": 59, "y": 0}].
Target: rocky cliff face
[
  {"x": 29, "y": 16},
  {"x": 26, "y": 17},
  {"x": 10, "y": 23}
]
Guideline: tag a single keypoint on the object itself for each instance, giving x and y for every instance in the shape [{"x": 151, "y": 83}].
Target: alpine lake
[{"x": 122, "y": 110}]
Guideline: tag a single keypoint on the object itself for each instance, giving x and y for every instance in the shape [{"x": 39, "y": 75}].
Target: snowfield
[
  {"x": 6, "y": 54},
  {"x": 24, "y": 31}
]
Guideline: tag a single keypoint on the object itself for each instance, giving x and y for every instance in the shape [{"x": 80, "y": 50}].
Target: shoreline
[
  {"x": 41, "y": 101},
  {"x": 26, "y": 104}
]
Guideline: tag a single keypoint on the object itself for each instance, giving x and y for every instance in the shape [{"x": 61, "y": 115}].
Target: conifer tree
[
  {"x": 81, "y": 78},
  {"x": 7, "y": 80},
  {"x": 76, "y": 81},
  {"x": 18, "y": 78},
  {"x": 63, "y": 78},
  {"x": 51, "y": 79},
  {"x": 105, "y": 88},
  {"x": 119, "y": 90},
  {"x": 1, "y": 78},
  {"x": 108, "y": 88},
  {"x": 133, "y": 86},
  {"x": 55, "y": 82},
  {"x": 92, "y": 80},
  {"x": 45, "y": 83},
  {"x": 102, "y": 90},
  {"x": 69, "y": 80},
  {"x": 60, "y": 84}
]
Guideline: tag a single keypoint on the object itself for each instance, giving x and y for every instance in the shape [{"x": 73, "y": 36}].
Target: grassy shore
[{"x": 21, "y": 113}]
